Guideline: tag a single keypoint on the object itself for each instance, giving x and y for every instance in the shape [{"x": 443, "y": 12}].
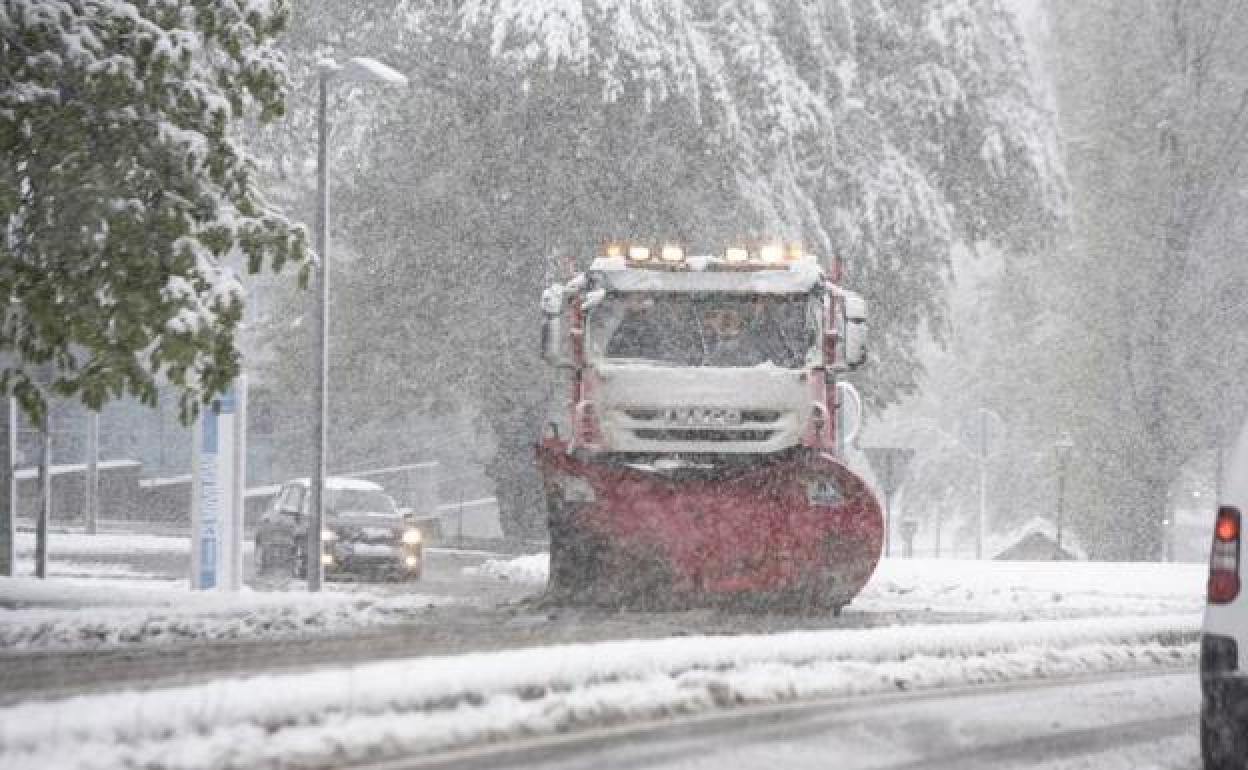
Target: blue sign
[{"x": 210, "y": 491}]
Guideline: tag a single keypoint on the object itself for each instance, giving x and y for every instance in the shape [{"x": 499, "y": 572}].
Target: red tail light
[
  {"x": 1224, "y": 558},
  {"x": 1227, "y": 529}
]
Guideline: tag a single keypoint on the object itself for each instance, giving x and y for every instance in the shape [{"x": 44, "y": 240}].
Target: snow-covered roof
[
  {"x": 58, "y": 470},
  {"x": 796, "y": 279},
  {"x": 1036, "y": 525},
  {"x": 342, "y": 482}
]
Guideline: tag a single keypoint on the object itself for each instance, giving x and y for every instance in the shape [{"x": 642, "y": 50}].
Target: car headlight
[
  {"x": 328, "y": 536},
  {"x": 412, "y": 537}
]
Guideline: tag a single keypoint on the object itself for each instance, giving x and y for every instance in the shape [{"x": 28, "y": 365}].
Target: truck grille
[
  {"x": 703, "y": 424},
  {"x": 702, "y": 434}
]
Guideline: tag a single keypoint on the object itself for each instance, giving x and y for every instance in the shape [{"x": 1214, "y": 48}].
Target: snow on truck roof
[{"x": 616, "y": 276}]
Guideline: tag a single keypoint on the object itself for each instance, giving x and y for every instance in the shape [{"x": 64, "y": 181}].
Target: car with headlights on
[{"x": 364, "y": 534}]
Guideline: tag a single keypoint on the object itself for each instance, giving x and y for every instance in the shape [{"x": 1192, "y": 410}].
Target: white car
[{"x": 1224, "y": 641}]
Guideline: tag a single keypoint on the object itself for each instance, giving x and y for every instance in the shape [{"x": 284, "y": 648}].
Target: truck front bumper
[{"x": 782, "y": 524}]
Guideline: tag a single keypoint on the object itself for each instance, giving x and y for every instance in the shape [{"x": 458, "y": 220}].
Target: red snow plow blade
[{"x": 800, "y": 529}]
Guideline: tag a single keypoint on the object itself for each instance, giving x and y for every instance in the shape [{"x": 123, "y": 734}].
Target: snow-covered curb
[
  {"x": 119, "y": 613},
  {"x": 420, "y": 705},
  {"x": 1002, "y": 588}
]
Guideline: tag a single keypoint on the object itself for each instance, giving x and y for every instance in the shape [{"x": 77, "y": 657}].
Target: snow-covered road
[
  {"x": 423, "y": 705},
  {"x": 1126, "y": 722},
  {"x": 120, "y": 671}
]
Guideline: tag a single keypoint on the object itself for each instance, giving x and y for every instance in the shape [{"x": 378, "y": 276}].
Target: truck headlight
[
  {"x": 412, "y": 537},
  {"x": 328, "y": 536}
]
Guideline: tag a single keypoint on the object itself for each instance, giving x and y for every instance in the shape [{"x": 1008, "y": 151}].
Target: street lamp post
[
  {"x": 358, "y": 69},
  {"x": 1062, "y": 447}
]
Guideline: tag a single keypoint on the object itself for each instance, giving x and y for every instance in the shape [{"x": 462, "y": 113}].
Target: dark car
[{"x": 363, "y": 535}]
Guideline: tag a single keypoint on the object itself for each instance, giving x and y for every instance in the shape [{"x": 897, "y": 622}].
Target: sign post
[
  {"x": 8, "y": 488},
  {"x": 984, "y": 433},
  {"x": 217, "y": 493},
  {"x": 92, "y": 481},
  {"x": 889, "y": 464}
]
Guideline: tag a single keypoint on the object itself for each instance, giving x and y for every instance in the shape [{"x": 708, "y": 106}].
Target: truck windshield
[{"x": 701, "y": 330}]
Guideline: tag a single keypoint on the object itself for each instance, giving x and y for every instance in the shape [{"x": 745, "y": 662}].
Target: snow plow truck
[{"x": 695, "y": 456}]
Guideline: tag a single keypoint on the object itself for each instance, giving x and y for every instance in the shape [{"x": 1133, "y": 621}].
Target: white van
[{"x": 1224, "y": 641}]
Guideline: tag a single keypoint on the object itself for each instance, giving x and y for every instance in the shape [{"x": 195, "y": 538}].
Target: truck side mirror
[
  {"x": 855, "y": 331},
  {"x": 552, "y": 329},
  {"x": 552, "y": 340}
]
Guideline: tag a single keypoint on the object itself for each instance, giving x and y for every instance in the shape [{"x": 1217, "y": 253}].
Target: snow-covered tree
[
  {"x": 126, "y": 194},
  {"x": 1153, "y": 99},
  {"x": 879, "y": 132}
]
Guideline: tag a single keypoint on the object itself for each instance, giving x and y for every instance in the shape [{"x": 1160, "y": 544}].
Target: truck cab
[
  {"x": 706, "y": 356},
  {"x": 695, "y": 452}
]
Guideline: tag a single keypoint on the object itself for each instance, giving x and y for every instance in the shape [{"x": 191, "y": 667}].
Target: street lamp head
[
  {"x": 361, "y": 69},
  {"x": 327, "y": 67},
  {"x": 366, "y": 69}
]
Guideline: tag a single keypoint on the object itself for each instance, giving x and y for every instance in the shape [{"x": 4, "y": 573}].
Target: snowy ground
[
  {"x": 110, "y": 613},
  {"x": 61, "y": 544},
  {"x": 98, "y": 603},
  {"x": 422, "y": 705},
  {"x": 998, "y": 621},
  {"x": 1002, "y": 589},
  {"x": 531, "y": 569},
  {"x": 112, "y": 555},
  {"x": 112, "y": 590}
]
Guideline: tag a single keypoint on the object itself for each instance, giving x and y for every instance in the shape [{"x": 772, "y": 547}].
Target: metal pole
[
  {"x": 983, "y": 508},
  {"x": 888, "y": 526},
  {"x": 1061, "y": 500},
  {"x": 92, "y": 482},
  {"x": 238, "y": 483},
  {"x": 45, "y": 499},
  {"x": 8, "y": 492},
  {"x": 320, "y": 343},
  {"x": 1217, "y": 480}
]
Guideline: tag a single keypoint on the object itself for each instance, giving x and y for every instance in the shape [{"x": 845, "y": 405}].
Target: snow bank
[
  {"x": 116, "y": 613},
  {"x": 531, "y": 569},
  {"x": 1036, "y": 589},
  {"x": 421, "y": 705}
]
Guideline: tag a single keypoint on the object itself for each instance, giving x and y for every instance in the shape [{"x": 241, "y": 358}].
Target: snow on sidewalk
[
  {"x": 1036, "y": 589},
  {"x": 426, "y": 704},
  {"x": 105, "y": 543},
  {"x": 113, "y": 613}
]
